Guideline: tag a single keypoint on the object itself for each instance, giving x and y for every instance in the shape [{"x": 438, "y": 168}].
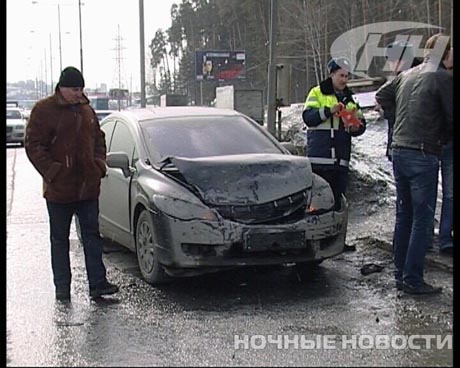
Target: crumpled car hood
[{"x": 245, "y": 179}]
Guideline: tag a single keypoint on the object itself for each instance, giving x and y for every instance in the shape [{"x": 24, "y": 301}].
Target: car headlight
[
  {"x": 322, "y": 197},
  {"x": 182, "y": 209}
]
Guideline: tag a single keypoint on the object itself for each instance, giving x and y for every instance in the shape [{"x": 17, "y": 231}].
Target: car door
[{"x": 115, "y": 188}]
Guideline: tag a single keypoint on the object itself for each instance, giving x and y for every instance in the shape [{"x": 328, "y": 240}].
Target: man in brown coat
[{"x": 66, "y": 146}]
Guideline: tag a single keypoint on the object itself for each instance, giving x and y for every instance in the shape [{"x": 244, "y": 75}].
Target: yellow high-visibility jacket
[{"x": 328, "y": 142}]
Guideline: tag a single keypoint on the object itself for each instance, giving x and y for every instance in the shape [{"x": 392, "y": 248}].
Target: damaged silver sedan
[{"x": 196, "y": 189}]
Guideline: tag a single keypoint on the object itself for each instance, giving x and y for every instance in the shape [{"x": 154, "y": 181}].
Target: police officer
[{"x": 328, "y": 135}]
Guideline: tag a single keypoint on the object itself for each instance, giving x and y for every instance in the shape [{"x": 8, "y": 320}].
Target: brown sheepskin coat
[{"x": 67, "y": 147}]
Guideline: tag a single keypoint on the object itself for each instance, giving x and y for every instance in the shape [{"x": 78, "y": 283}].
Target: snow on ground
[{"x": 368, "y": 161}]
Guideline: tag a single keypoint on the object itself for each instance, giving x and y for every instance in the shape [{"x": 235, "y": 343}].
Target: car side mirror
[{"x": 119, "y": 160}]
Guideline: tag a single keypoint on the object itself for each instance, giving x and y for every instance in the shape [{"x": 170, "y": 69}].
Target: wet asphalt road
[{"x": 193, "y": 322}]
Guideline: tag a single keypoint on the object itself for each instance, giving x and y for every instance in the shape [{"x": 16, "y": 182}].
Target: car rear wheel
[{"x": 150, "y": 268}]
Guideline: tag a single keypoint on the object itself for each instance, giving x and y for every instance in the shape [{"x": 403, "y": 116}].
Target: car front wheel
[{"x": 151, "y": 269}]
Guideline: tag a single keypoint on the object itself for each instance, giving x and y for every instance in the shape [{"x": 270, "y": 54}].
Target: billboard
[{"x": 220, "y": 65}]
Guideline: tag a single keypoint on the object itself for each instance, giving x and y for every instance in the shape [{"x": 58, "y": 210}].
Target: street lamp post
[
  {"x": 81, "y": 40},
  {"x": 60, "y": 45},
  {"x": 51, "y": 65},
  {"x": 35, "y": 2},
  {"x": 271, "y": 88},
  {"x": 142, "y": 47},
  {"x": 60, "y": 39}
]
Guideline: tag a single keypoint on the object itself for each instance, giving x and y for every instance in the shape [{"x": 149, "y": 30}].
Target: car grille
[{"x": 265, "y": 212}]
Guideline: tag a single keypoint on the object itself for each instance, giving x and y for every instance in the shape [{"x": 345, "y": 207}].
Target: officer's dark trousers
[{"x": 337, "y": 178}]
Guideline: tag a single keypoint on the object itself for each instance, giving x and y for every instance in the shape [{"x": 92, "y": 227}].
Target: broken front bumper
[{"x": 185, "y": 247}]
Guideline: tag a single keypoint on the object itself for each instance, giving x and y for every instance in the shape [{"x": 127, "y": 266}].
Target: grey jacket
[{"x": 423, "y": 99}]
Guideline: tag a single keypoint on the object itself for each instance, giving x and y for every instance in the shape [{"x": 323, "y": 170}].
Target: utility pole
[
  {"x": 142, "y": 48},
  {"x": 428, "y": 15},
  {"x": 130, "y": 89},
  {"x": 51, "y": 65},
  {"x": 60, "y": 48},
  {"x": 36, "y": 88},
  {"x": 46, "y": 75},
  {"x": 41, "y": 79},
  {"x": 119, "y": 67},
  {"x": 271, "y": 93},
  {"x": 81, "y": 39},
  {"x": 439, "y": 13}
]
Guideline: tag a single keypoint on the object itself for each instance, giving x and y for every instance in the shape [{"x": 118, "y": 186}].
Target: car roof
[
  {"x": 104, "y": 111},
  {"x": 149, "y": 113}
]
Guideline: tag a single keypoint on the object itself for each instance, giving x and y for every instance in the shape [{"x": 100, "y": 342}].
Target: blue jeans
[
  {"x": 60, "y": 217},
  {"x": 447, "y": 208},
  {"x": 416, "y": 178}
]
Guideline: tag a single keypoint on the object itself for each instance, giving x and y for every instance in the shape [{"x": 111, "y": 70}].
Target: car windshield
[
  {"x": 203, "y": 136},
  {"x": 13, "y": 114}
]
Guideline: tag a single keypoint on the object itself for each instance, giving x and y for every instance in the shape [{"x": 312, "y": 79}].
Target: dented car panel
[
  {"x": 214, "y": 205},
  {"x": 245, "y": 179}
]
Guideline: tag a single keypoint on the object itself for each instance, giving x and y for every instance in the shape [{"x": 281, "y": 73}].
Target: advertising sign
[{"x": 220, "y": 65}]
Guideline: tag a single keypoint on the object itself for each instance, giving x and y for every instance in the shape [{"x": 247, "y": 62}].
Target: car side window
[
  {"x": 122, "y": 140},
  {"x": 107, "y": 128}
]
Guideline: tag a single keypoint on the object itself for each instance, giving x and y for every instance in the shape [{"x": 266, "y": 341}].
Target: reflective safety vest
[{"x": 328, "y": 143}]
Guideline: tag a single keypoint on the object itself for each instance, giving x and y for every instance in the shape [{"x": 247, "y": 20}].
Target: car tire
[{"x": 151, "y": 269}]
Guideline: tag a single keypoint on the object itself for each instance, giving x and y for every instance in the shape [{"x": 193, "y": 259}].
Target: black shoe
[
  {"x": 423, "y": 289},
  {"x": 399, "y": 284},
  {"x": 63, "y": 295},
  {"x": 104, "y": 288},
  {"x": 349, "y": 248},
  {"x": 448, "y": 251}
]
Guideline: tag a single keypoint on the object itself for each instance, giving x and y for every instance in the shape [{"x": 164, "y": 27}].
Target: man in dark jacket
[
  {"x": 400, "y": 56},
  {"x": 328, "y": 135},
  {"x": 423, "y": 101},
  {"x": 66, "y": 146}
]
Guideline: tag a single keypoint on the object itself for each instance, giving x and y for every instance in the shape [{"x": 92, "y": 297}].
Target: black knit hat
[{"x": 71, "y": 77}]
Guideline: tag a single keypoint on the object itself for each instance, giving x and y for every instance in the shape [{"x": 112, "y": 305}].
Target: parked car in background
[
  {"x": 15, "y": 126},
  {"x": 200, "y": 189}
]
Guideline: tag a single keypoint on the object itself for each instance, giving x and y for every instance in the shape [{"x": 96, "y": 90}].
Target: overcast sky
[{"x": 29, "y": 27}]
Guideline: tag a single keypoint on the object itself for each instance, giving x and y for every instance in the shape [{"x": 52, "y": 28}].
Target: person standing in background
[
  {"x": 422, "y": 98},
  {"x": 446, "y": 225}
]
